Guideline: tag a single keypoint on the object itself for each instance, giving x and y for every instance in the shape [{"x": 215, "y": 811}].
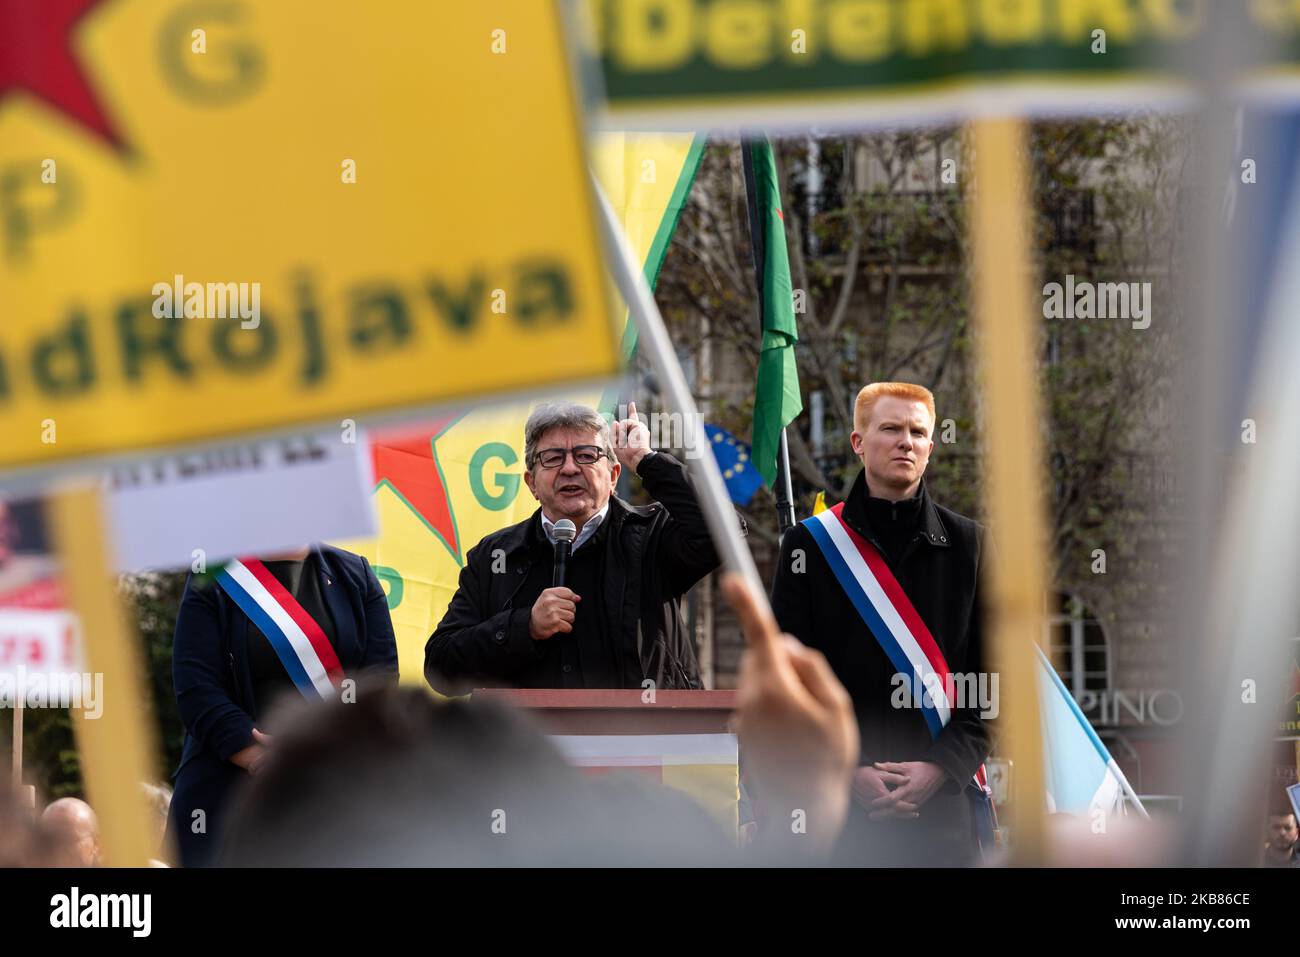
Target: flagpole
[
  {"x": 784, "y": 493},
  {"x": 1005, "y": 344},
  {"x": 658, "y": 348},
  {"x": 119, "y": 749},
  {"x": 1128, "y": 788}
]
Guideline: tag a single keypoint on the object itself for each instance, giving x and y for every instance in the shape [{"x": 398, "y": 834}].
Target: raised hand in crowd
[{"x": 796, "y": 726}]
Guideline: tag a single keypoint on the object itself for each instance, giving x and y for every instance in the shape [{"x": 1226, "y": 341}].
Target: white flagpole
[
  {"x": 714, "y": 500},
  {"x": 1127, "y": 788}
]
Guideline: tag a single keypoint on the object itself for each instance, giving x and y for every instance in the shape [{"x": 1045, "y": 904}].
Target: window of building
[{"x": 1078, "y": 646}]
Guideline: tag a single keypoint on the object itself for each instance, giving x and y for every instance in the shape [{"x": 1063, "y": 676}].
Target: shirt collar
[
  {"x": 930, "y": 525},
  {"x": 586, "y": 532}
]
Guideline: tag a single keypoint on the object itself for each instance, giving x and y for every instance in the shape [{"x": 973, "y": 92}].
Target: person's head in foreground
[
  {"x": 893, "y": 434},
  {"x": 400, "y": 779},
  {"x": 569, "y": 460},
  {"x": 73, "y": 831}
]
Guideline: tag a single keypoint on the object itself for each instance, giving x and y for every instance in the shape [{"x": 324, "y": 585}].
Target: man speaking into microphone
[{"x": 584, "y": 593}]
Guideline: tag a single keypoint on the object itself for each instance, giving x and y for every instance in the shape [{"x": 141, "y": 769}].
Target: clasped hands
[{"x": 896, "y": 789}]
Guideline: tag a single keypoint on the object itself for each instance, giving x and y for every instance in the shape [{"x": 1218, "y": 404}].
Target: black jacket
[
  {"x": 939, "y": 568},
  {"x": 653, "y": 554},
  {"x": 214, "y": 687}
]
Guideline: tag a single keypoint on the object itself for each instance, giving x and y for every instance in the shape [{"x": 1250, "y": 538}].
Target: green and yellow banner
[{"x": 792, "y": 63}]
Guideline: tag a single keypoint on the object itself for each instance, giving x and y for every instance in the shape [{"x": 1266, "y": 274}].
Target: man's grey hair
[{"x": 564, "y": 415}]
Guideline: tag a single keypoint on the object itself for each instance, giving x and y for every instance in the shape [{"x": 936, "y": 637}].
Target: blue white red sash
[
  {"x": 889, "y": 615},
  {"x": 298, "y": 640}
]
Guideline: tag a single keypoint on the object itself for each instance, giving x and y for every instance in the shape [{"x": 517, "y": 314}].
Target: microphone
[{"x": 565, "y": 532}]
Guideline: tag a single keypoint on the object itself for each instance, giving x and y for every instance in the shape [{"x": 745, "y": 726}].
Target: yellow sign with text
[{"x": 223, "y": 217}]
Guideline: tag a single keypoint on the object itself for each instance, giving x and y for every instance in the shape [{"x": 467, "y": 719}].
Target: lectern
[{"x": 680, "y": 738}]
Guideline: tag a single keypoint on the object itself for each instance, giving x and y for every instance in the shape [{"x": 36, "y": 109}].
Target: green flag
[{"x": 776, "y": 394}]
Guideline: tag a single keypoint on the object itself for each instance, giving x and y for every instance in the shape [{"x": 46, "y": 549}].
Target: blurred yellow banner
[{"x": 226, "y": 218}]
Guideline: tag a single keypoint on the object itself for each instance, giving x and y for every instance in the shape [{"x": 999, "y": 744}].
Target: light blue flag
[{"x": 1079, "y": 772}]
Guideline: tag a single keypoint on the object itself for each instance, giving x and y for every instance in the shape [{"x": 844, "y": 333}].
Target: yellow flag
[{"x": 222, "y": 218}]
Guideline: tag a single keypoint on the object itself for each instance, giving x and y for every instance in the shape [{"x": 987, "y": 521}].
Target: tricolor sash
[
  {"x": 889, "y": 615},
  {"x": 298, "y": 640}
]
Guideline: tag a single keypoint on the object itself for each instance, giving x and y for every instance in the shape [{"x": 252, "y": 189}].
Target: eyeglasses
[{"x": 582, "y": 455}]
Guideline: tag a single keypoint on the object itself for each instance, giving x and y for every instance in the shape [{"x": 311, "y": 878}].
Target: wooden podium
[{"x": 680, "y": 738}]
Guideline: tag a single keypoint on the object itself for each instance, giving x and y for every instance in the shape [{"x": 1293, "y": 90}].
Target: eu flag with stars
[{"x": 734, "y": 462}]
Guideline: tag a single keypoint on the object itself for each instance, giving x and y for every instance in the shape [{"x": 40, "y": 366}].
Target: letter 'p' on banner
[{"x": 232, "y": 218}]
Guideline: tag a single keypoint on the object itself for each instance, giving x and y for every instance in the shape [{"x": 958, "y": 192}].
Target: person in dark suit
[
  {"x": 912, "y": 803},
  {"x": 227, "y": 675},
  {"x": 617, "y": 622}
]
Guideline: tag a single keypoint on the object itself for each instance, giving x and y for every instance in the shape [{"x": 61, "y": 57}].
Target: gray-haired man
[{"x": 618, "y": 621}]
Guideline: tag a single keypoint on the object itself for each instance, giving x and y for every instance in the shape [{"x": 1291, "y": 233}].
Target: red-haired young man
[{"x": 887, "y": 586}]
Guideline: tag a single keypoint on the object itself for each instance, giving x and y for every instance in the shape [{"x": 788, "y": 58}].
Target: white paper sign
[{"x": 244, "y": 498}]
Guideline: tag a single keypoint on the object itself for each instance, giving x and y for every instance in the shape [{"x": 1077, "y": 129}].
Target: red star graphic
[
  {"x": 36, "y": 57},
  {"x": 406, "y": 463}
]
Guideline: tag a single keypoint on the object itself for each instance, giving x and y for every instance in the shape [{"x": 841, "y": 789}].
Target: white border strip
[{"x": 646, "y": 750}]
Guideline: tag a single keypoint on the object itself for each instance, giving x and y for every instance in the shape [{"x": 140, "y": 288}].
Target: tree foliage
[{"x": 881, "y": 259}]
